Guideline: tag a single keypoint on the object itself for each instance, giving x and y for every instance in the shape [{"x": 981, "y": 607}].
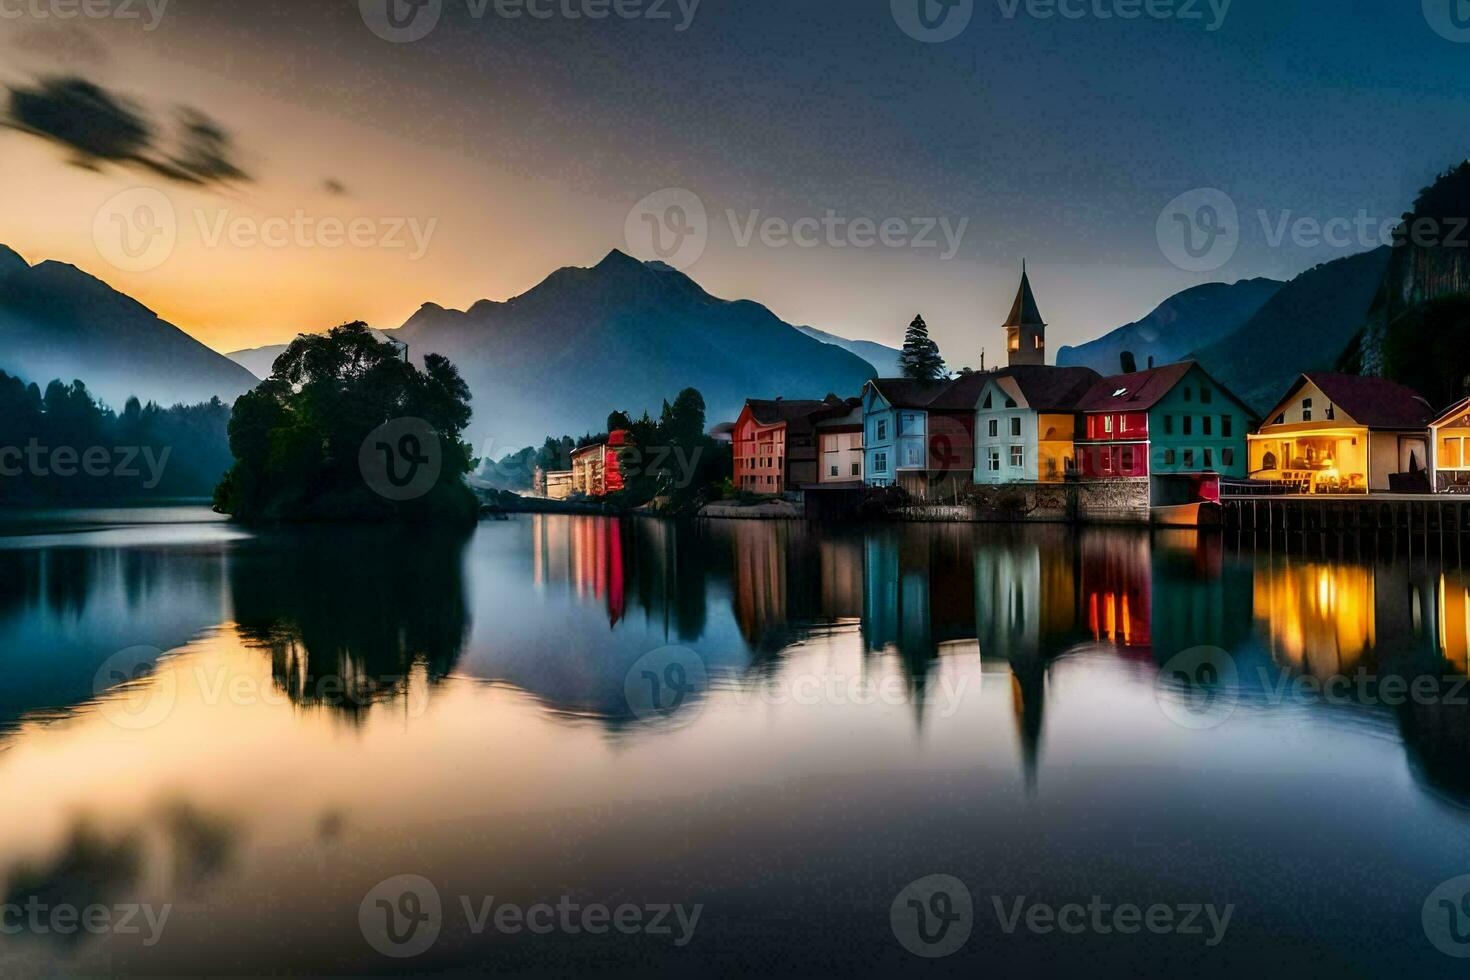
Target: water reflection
[{"x": 1022, "y": 729}]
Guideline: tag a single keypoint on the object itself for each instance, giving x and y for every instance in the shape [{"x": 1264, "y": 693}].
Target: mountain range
[
  {"x": 883, "y": 359},
  {"x": 56, "y": 321},
  {"x": 625, "y": 335},
  {"x": 1183, "y": 323}
]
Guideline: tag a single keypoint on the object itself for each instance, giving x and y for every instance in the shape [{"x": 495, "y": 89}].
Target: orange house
[{"x": 775, "y": 443}]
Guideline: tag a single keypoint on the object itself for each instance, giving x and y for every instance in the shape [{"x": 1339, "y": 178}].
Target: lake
[{"x": 567, "y": 744}]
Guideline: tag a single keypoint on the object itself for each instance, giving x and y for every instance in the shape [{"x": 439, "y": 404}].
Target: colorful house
[
  {"x": 897, "y": 447},
  {"x": 1171, "y": 420},
  {"x": 840, "y": 447},
  {"x": 775, "y": 443},
  {"x": 1449, "y": 448},
  {"x": 1026, "y": 421},
  {"x": 595, "y": 469},
  {"x": 1341, "y": 433}
]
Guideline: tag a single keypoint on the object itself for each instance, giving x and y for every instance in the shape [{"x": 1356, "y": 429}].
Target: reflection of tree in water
[
  {"x": 347, "y": 614},
  {"x": 96, "y": 868}
]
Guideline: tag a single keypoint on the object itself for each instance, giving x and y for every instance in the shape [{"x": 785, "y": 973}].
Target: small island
[{"x": 347, "y": 429}]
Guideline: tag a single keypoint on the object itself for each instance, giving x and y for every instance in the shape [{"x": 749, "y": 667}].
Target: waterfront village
[{"x": 1164, "y": 443}]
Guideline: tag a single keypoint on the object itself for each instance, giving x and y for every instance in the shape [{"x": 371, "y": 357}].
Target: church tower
[{"x": 1025, "y": 330}]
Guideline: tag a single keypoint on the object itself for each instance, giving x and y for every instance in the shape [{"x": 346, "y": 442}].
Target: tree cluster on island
[{"x": 298, "y": 436}]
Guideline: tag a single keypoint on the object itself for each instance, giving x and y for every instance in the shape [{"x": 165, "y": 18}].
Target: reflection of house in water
[
  {"x": 918, "y": 588},
  {"x": 586, "y": 554},
  {"x": 1117, "y": 587},
  {"x": 1025, "y": 614},
  {"x": 1198, "y": 599},
  {"x": 1326, "y": 618},
  {"x": 787, "y": 578}
]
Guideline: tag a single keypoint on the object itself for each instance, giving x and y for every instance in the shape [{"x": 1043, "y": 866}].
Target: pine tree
[{"x": 920, "y": 359}]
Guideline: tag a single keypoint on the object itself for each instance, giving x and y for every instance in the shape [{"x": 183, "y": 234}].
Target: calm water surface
[{"x": 781, "y": 725}]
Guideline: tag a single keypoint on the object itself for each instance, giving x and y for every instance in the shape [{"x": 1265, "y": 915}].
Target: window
[
  {"x": 1189, "y": 425},
  {"x": 1168, "y": 425},
  {"x": 1127, "y": 459},
  {"x": 1107, "y": 461},
  {"x": 1280, "y": 419},
  {"x": 1331, "y": 411},
  {"x": 1227, "y": 426},
  {"x": 1227, "y": 457},
  {"x": 857, "y": 469},
  {"x": 1209, "y": 423},
  {"x": 1306, "y": 409},
  {"x": 1016, "y": 426},
  {"x": 994, "y": 428},
  {"x": 989, "y": 400},
  {"x": 1018, "y": 456},
  {"x": 1189, "y": 459},
  {"x": 1188, "y": 394},
  {"x": 1108, "y": 424},
  {"x": 1037, "y": 338},
  {"x": 880, "y": 462},
  {"x": 993, "y": 461},
  {"x": 882, "y": 429},
  {"x": 1209, "y": 459},
  {"x": 1169, "y": 457},
  {"x": 1206, "y": 395},
  {"x": 833, "y": 471}
]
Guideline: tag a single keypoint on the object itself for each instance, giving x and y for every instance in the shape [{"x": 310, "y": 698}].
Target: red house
[
  {"x": 775, "y": 443},
  {"x": 595, "y": 469}
]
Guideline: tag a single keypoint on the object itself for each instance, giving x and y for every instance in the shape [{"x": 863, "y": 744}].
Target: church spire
[{"x": 1025, "y": 329}]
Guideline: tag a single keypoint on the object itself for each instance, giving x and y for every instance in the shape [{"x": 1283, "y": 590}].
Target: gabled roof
[
  {"x": 1456, "y": 410},
  {"x": 1136, "y": 392},
  {"x": 1045, "y": 388},
  {"x": 906, "y": 392},
  {"x": 798, "y": 414},
  {"x": 1024, "y": 311},
  {"x": 1374, "y": 402}
]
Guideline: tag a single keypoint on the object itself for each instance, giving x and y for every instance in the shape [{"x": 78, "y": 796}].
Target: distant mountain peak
[{"x": 11, "y": 261}]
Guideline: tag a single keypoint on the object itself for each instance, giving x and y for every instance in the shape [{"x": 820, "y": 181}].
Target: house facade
[
  {"x": 1171, "y": 420},
  {"x": 775, "y": 443},
  {"x": 1026, "y": 423},
  {"x": 1449, "y": 448},
  {"x": 1339, "y": 433},
  {"x": 595, "y": 471},
  {"x": 896, "y": 432},
  {"x": 840, "y": 448}
]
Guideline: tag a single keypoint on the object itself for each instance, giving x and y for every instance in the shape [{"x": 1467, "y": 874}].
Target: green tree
[
  {"x": 920, "y": 358},
  {"x": 299, "y": 437}
]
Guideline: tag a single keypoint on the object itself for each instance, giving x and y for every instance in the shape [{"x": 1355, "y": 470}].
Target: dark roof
[
  {"x": 1045, "y": 388},
  {"x": 1024, "y": 310},
  {"x": 1136, "y": 392},
  {"x": 1374, "y": 402},
  {"x": 798, "y": 414},
  {"x": 908, "y": 393}
]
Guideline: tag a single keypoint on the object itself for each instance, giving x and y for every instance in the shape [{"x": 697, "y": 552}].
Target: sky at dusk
[{"x": 494, "y": 149}]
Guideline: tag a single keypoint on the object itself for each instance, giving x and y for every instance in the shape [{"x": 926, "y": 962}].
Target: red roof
[
  {"x": 1137, "y": 392},
  {"x": 1374, "y": 402}
]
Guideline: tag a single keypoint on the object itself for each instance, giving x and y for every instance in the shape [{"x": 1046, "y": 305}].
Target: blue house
[{"x": 896, "y": 432}]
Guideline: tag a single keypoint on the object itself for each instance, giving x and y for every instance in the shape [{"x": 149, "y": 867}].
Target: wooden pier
[{"x": 1443, "y": 514}]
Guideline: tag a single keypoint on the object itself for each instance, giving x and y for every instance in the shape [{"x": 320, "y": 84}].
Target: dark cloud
[{"x": 97, "y": 127}]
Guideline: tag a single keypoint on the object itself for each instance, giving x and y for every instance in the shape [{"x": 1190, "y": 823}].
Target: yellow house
[
  {"x": 1450, "y": 441},
  {"x": 1340, "y": 433}
]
